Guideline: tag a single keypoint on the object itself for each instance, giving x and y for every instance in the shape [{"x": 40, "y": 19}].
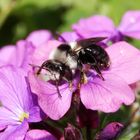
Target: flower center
[{"x": 23, "y": 116}]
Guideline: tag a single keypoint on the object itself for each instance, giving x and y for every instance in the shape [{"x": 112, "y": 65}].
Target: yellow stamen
[{"x": 23, "y": 116}]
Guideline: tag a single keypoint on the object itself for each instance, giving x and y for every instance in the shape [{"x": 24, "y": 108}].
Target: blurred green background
[{"x": 19, "y": 17}]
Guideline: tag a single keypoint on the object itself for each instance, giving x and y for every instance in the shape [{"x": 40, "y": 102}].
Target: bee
[
  {"x": 56, "y": 72},
  {"x": 83, "y": 52},
  {"x": 72, "y": 56}
]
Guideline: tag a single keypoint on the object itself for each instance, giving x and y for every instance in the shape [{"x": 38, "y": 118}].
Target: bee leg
[
  {"x": 96, "y": 68},
  {"x": 99, "y": 72},
  {"x": 83, "y": 78},
  {"x": 57, "y": 88},
  {"x": 43, "y": 66},
  {"x": 70, "y": 83}
]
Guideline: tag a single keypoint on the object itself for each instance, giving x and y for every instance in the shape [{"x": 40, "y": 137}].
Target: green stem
[{"x": 88, "y": 133}]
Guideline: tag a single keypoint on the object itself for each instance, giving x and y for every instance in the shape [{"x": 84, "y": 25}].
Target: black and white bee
[
  {"x": 56, "y": 72},
  {"x": 69, "y": 57},
  {"x": 83, "y": 52}
]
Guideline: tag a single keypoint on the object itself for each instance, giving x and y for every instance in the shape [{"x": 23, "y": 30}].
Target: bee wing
[{"x": 83, "y": 42}]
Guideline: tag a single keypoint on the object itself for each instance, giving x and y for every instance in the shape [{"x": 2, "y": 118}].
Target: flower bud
[
  {"x": 110, "y": 132},
  {"x": 72, "y": 133}
]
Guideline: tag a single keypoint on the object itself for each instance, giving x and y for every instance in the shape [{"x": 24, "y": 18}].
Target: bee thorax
[
  {"x": 73, "y": 44},
  {"x": 71, "y": 62}
]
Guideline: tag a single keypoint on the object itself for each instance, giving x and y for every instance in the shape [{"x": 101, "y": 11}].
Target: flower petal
[
  {"x": 69, "y": 36},
  {"x": 18, "y": 55},
  {"x": 95, "y": 26},
  {"x": 39, "y": 37},
  {"x": 108, "y": 95},
  {"x": 23, "y": 54},
  {"x": 125, "y": 61},
  {"x": 34, "y": 115},
  {"x": 53, "y": 105},
  {"x": 111, "y": 131},
  {"x": 15, "y": 132},
  {"x": 7, "y": 55},
  {"x": 130, "y": 24},
  {"x": 37, "y": 134},
  {"x": 7, "y": 117},
  {"x": 42, "y": 53},
  {"x": 72, "y": 133},
  {"x": 17, "y": 97}
]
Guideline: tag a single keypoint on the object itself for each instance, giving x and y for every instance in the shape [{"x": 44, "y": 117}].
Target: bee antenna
[
  {"x": 32, "y": 65},
  {"x": 61, "y": 37}
]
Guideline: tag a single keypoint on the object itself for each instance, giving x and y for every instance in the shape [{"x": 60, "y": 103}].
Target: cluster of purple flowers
[{"x": 27, "y": 98}]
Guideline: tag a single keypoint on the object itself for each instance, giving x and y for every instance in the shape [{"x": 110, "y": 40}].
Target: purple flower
[
  {"x": 108, "y": 95},
  {"x": 18, "y": 107},
  {"x": 7, "y": 55},
  {"x": 110, "y": 132},
  {"x": 39, "y": 37},
  {"x": 96, "y": 94},
  {"x": 69, "y": 36},
  {"x": 18, "y": 55},
  {"x": 103, "y": 26},
  {"x": 129, "y": 25},
  {"x": 54, "y": 106},
  {"x": 37, "y": 134},
  {"x": 41, "y": 53}
]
